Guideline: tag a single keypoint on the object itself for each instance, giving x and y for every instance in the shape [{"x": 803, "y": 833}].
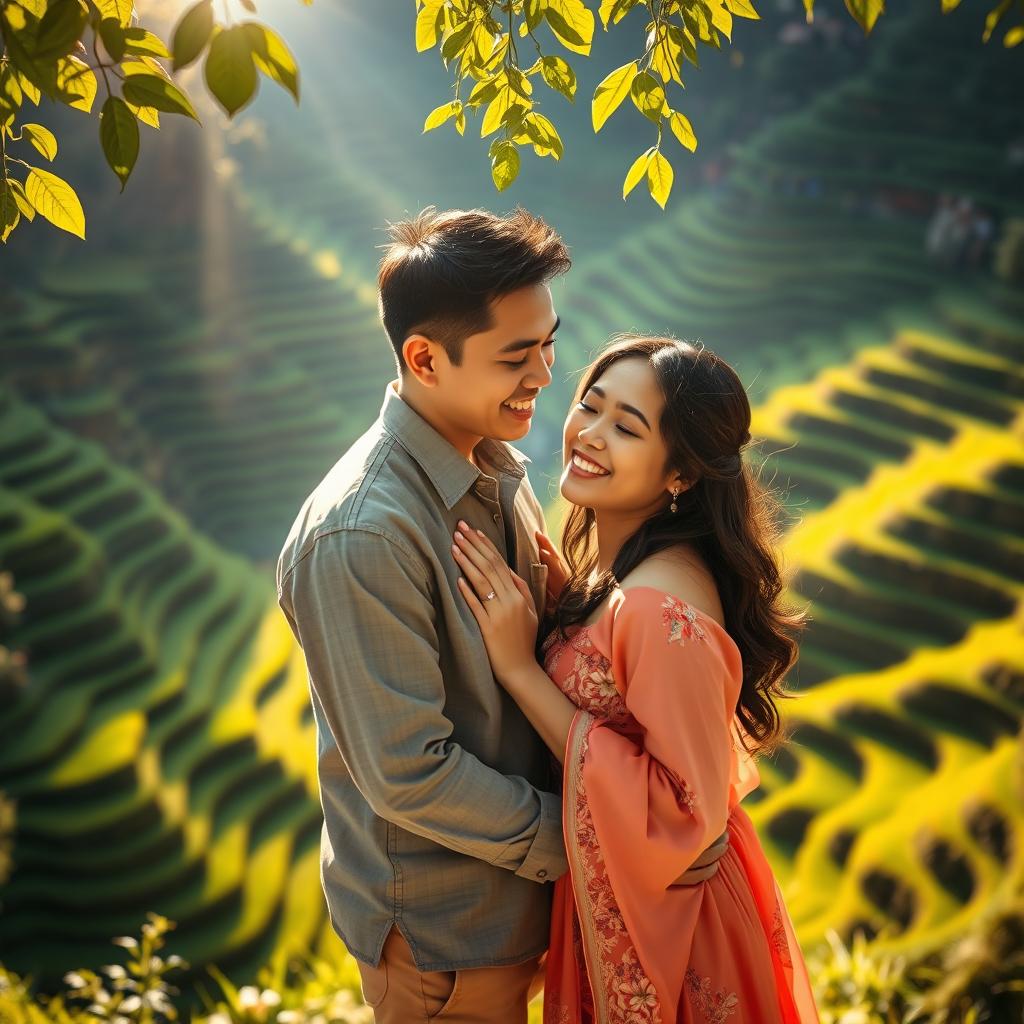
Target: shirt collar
[{"x": 451, "y": 474}]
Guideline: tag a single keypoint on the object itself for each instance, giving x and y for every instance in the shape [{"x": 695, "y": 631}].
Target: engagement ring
[{"x": 490, "y": 596}]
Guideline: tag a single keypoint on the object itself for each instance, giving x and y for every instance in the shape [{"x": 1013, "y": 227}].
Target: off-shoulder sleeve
[{"x": 659, "y": 790}]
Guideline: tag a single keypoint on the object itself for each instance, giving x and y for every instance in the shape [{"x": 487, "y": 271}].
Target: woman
[{"x": 668, "y": 648}]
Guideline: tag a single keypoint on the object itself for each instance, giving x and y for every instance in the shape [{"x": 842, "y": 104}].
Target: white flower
[{"x": 248, "y": 997}]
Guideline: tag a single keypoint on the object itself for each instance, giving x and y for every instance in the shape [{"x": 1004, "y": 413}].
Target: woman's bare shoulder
[{"x": 681, "y": 574}]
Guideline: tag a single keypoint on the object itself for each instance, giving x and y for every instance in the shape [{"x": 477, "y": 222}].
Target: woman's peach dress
[{"x": 654, "y": 771}]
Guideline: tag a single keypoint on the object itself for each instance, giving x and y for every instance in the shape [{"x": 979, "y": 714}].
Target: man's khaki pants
[{"x": 402, "y": 994}]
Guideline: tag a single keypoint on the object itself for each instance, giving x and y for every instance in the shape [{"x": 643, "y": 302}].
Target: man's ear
[{"x": 421, "y": 358}]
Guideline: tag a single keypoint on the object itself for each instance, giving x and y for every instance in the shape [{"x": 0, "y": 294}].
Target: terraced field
[
  {"x": 897, "y": 808},
  {"x": 237, "y": 401},
  {"x": 161, "y": 756},
  {"x": 162, "y": 418},
  {"x": 813, "y": 245}
]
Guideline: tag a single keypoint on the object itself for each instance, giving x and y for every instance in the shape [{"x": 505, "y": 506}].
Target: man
[{"x": 442, "y": 824}]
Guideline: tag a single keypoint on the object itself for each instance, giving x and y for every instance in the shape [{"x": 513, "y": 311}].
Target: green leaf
[
  {"x": 10, "y": 214},
  {"x": 1014, "y": 37},
  {"x": 119, "y": 136},
  {"x": 648, "y": 96},
  {"x": 56, "y": 201},
  {"x": 504, "y": 165},
  {"x": 273, "y": 58},
  {"x": 667, "y": 58},
  {"x": 42, "y": 138},
  {"x": 557, "y": 73},
  {"x": 10, "y": 95},
  {"x": 543, "y": 134},
  {"x": 143, "y": 66},
  {"x": 499, "y": 110},
  {"x": 149, "y": 90},
  {"x": 722, "y": 19},
  {"x": 659, "y": 179},
  {"x": 439, "y": 115},
  {"x": 191, "y": 34},
  {"x": 60, "y": 29},
  {"x": 636, "y": 172},
  {"x": 27, "y": 87},
  {"x": 147, "y": 115},
  {"x": 457, "y": 42},
  {"x": 230, "y": 70},
  {"x": 534, "y": 11},
  {"x": 119, "y": 10},
  {"x": 28, "y": 211},
  {"x": 112, "y": 34},
  {"x": 613, "y": 11},
  {"x": 76, "y": 84},
  {"x": 866, "y": 12},
  {"x": 745, "y": 9},
  {"x": 611, "y": 92},
  {"x": 993, "y": 18},
  {"x": 429, "y": 25},
  {"x": 487, "y": 89},
  {"x": 572, "y": 23},
  {"x": 140, "y": 41},
  {"x": 37, "y": 8},
  {"x": 683, "y": 130}
]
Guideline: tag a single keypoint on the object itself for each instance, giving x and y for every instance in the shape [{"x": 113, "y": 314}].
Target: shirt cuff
[{"x": 545, "y": 860}]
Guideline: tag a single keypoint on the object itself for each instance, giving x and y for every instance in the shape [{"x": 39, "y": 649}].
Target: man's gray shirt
[{"x": 437, "y": 794}]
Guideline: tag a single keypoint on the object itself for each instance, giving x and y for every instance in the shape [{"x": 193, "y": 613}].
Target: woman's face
[{"x": 613, "y": 455}]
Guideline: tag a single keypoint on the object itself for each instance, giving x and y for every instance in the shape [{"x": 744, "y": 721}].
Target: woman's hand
[
  {"x": 501, "y": 602},
  {"x": 558, "y": 571}
]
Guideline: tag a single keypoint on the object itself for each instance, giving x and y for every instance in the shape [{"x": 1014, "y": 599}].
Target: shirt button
[{"x": 542, "y": 873}]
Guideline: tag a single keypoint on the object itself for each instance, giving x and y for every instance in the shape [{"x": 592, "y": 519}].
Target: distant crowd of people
[{"x": 960, "y": 233}]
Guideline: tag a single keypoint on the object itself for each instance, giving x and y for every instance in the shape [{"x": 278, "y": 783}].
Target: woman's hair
[
  {"x": 726, "y": 515},
  {"x": 442, "y": 270}
]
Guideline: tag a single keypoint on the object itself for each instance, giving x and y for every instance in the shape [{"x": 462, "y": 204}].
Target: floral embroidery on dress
[
  {"x": 589, "y": 684},
  {"x": 681, "y": 620},
  {"x": 684, "y": 794},
  {"x": 626, "y": 989},
  {"x": 716, "y": 1007},
  {"x": 779, "y": 938}
]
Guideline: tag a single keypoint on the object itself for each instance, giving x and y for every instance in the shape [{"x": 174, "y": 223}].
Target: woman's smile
[{"x": 584, "y": 468}]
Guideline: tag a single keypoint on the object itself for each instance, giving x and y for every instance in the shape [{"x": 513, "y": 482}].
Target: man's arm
[{"x": 365, "y": 619}]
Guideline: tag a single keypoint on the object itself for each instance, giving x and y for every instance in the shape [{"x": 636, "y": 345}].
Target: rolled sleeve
[
  {"x": 546, "y": 859},
  {"x": 361, "y": 607}
]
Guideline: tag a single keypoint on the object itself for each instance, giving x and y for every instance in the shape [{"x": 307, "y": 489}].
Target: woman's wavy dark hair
[{"x": 726, "y": 515}]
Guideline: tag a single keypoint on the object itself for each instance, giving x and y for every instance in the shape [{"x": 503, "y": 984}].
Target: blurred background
[{"x": 849, "y": 234}]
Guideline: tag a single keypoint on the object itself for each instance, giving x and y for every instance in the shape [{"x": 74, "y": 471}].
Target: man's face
[{"x": 503, "y": 369}]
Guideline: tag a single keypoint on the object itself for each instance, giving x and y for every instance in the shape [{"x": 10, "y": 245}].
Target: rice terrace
[{"x": 848, "y": 232}]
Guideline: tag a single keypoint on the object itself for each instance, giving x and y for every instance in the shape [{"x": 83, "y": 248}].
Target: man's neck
[{"x": 462, "y": 442}]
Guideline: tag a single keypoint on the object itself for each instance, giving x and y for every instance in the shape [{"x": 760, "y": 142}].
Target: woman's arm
[
  {"x": 503, "y": 607},
  {"x": 549, "y": 710}
]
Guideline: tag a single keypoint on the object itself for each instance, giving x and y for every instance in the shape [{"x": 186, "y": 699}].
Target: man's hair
[{"x": 442, "y": 270}]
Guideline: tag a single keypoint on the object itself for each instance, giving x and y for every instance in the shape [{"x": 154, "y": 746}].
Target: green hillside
[
  {"x": 162, "y": 755},
  {"x": 169, "y": 398},
  {"x": 896, "y": 808}
]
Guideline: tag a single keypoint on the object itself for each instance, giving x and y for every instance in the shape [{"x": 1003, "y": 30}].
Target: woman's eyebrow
[{"x": 623, "y": 406}]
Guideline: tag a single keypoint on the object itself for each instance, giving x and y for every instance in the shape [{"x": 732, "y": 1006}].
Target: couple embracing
[{"x": 531, "y": 767}]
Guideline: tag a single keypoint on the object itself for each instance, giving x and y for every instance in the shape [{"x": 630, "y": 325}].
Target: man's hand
[{"x": 706, "y": 865}]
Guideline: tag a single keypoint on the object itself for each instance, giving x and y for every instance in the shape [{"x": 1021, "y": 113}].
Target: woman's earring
[{"x": 674, "y": 507}]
